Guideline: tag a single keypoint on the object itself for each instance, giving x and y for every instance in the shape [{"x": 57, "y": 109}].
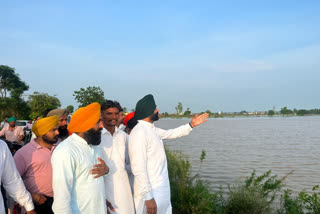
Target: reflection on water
[{"x": 236, "y": 146}]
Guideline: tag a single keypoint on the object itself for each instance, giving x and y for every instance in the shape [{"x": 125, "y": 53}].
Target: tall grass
[{"x": 255, "y": 195}]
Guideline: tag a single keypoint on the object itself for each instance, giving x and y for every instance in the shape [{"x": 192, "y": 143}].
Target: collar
[
  {"x": 105, "y": 131},
  {"x": 146, "y": 123},
  {"x": 38, "y": 146},
  {"x": 79, "y": 139}
]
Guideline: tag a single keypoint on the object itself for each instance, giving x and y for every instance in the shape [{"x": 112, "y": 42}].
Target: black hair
[
  {"x": 132, "y": 123},
  {"x": 111, "y": 104}
]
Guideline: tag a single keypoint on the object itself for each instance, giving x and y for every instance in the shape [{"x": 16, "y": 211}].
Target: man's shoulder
[{"x": 27, "y": 149}]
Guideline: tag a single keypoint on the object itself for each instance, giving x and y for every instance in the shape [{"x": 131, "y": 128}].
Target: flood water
[{"x": 236, "y": 146}]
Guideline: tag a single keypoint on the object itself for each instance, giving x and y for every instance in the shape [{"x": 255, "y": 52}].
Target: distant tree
[
  {"x": 271, "y": 113},
  {"x": 70, "y": 108},
  {"x": 243, "y": 112},
  {"x": 208, "y": 112},
  {"x": 11, "y": 89},
  {"x": 187, "y": 112},
  {"x": 302, "y": 112},
  {"x": 89, "y": 95},
  {"x": 285, "y": 110},
  {"x": 179, "y": 108},
  {"x": 125, "y": 109},
  {"x": 165, "y": 114},
  {"x": 41, "y": 103},
  {"x": 11, "y": 82}
]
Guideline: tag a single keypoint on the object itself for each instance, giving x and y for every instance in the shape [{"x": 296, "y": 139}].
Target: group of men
[{"x": 91, "y": 165}]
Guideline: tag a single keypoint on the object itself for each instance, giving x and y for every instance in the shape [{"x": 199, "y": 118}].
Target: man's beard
[
  {"x": 50, "y": 141},
  {"x": 63, "y": 132},
  {"x": 93, "y": 137},
  {"x": 12, "y": 125},
  {"x": 155, "y": 117}
]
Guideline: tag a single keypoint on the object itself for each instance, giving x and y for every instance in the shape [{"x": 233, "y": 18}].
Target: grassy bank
[{"x": 257, "y": 194}]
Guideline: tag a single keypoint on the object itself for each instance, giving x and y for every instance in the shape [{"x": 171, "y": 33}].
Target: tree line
[
  {"x": 284, "y": 112},
  {"x": 13, "y": 102}
]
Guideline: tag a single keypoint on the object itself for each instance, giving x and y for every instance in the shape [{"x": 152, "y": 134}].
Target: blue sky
[{"x": 217, "y": 55}]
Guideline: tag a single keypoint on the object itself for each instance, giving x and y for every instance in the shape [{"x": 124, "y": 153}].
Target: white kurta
[
  {"x": 118, "y": 189},
  {"x": 75, "y": 189},
  {"x": 11, "y": 180},
  {"x": 149, "y": 164}
]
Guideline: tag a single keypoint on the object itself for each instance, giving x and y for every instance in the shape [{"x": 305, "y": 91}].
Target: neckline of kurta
[
  {"x": 105, "y": 131},
  {"x": 80, "y": 140},
  {"x": 146, "y": 123}
]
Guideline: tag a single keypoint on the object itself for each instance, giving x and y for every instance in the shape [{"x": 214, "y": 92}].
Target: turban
[
  {"x": 58, "y": 112},
  {"x": 127, "y": 118},
  {"x": 44, "y": 125},
  {"x": 85, "y": 118},
  {"x": 11, "y": 119},
  {"x": 145, "y": 107}
]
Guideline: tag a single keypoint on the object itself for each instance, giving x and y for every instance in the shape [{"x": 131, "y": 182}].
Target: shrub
[
  {"x": 189, "y": 194},
  {"x": 255, "y": 195}
]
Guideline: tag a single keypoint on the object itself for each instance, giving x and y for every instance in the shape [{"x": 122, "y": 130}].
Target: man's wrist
[
  {"x": 190, "y": 125},
  {"x": 148, "y": 196}
]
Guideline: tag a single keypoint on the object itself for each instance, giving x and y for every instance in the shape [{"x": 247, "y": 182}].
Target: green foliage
[
  {"x": 303, "y": 203},
  {"x": 125, "y": 110},
  {"x": 70, "y": 108},
  {"x": 209, "y": 112},
  {"x": 41, "y": 102},
  {"x": 285, "y": 110},
  {"x": 271, "y": 113},
  {"x": 179, "y": 108},
  {"x": 302, "y": 112},
  {"x": 11, "y": 82},
  {"x": 255, "y": 195},
  {"x": 189, "y": 194},
  {"x": 89, "y": 95},
  {"x": 11, "y": 89},
  {"x": 187, "y": 112}
]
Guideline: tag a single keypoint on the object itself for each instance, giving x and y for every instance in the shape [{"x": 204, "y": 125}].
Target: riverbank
[{"x": 257, "y": 194}]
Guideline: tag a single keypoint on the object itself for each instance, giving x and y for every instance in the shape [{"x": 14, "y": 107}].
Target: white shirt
[
  {"x": 149, "y": 164},
  {"x": 118, "y": 189},
  {"x": 75, "y": 189},
  {"x": 11, "y": 180}
]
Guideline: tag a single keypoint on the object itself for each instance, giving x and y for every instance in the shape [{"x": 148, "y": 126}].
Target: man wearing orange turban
[
  {"x": 33, "y": 162},
  {"x": 75, "y": 189}
]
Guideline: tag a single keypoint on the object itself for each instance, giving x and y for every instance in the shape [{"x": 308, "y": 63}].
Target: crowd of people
[{"x": 102, "y": 161}]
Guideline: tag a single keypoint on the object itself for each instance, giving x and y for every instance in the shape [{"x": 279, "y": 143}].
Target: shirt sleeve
[
  {"x": 13, "y": 183},
  {"x": 174, "y": 133},
  {"x": 138, "y": 157},
  {"x": 63, "y": 167},
  {"x": 3, "y": 131},
  {"x": 20, "y": 131}
]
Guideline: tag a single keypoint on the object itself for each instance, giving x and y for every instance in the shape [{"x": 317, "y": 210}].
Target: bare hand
[
  {"x": 99, "y": 169},
  {"x": 199, "y": 119},
  {"x": 38, "y": 198},
  {"x": 109, "y": 206},
  {"x": 31, "y": 212},
  {"x": 151, "y": 206}
]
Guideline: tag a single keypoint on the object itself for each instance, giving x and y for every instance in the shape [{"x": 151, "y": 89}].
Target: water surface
[{"x": 236, "y": 146}]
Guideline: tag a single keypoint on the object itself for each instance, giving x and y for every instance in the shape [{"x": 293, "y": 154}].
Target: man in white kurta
[
  {"x": 76, "y": 190},
  {"x": 12, "y": 182},
  {"x": 113, "y": 142},
  {"x": 148, "y": 158}
]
